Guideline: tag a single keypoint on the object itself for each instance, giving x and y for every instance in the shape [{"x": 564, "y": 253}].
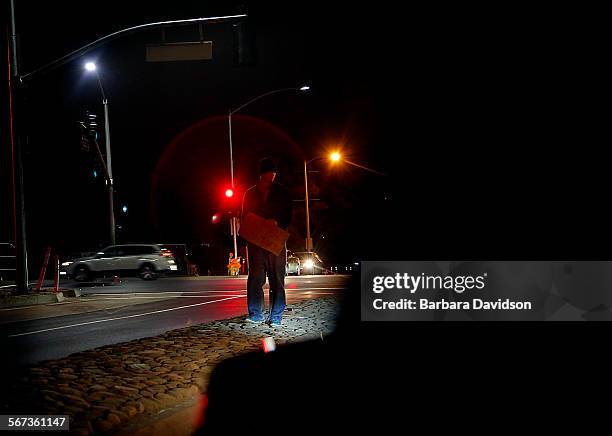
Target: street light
[
  {"x": 333, "y": 157},
  {"x": 91, "y": 67},
  {"x": 303, "y": 88}
]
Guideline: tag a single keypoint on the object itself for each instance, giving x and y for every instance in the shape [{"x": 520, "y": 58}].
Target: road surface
[{"x": 135, "y": 309}]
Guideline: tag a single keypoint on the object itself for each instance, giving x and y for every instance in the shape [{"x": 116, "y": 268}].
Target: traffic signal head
[
  {"x": 85, "y": 141},
  {"x": 229, "y": 201},
  {"x": 91, "y": 124},
  {"x": 215, "y": 218}
]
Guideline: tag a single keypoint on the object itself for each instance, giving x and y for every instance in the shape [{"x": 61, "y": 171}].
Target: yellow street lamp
[{"x": 334, "y": 157}]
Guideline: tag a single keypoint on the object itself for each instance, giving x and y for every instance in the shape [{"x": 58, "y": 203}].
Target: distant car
[
  {"x": 180, "y": 253},
  {"x": 147, "y": 261},
  {"x": 310, "y": 263},
  {"x": 293, "y": 265}
]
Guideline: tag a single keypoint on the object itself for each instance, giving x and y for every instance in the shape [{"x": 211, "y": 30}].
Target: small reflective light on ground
[{"x": 268, "y": 344}]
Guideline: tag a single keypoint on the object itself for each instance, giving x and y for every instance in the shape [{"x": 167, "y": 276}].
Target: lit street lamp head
[
  {"x": 335, "y": 156},
  {"x": 90, "y": 66},
  {"x": 305, "y": 88}
]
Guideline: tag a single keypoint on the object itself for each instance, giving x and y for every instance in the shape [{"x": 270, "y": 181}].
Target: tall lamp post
[
  {"x": 234, "y": 223},
  {"x": 333, "y": 157},
  {"x": 91, "y": 67}
]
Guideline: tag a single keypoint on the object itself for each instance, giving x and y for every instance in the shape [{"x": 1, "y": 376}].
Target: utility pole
[
  {"x": 111, "y": 202},
  {"x": 15, "y": 97},
  {"x": 109, "y": 167},
  {"x": 308, "y": 238}
]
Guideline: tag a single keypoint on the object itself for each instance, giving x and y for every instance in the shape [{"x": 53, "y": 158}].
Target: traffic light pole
[
  {"x": 111, "y": 36},
  {"x": 15, "y": 102},
  {"x": 234, "y": 224},
  {"x": 111, "y": 201},
  {"x": 234, "y": 230},
  {"x": 106, "y": 166},
  {"x": 109, "y": 167}
]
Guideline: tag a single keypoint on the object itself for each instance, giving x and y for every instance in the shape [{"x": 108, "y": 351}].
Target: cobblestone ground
[{"x": 107, "y": 388}]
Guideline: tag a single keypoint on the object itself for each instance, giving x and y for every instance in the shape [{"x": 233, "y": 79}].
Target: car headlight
[
  {"x": 67, "y": 263},
  {"x": 308, "y": 264}
]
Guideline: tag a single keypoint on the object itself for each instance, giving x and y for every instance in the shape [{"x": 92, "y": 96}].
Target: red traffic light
[
  {"x": 229, "y": 193},
  {"x": 215, "y": 218}
]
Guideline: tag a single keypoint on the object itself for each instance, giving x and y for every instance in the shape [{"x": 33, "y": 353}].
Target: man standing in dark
[{"x": 269, "y": 200}]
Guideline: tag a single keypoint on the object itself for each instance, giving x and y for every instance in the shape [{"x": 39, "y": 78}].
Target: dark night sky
[{"x": 473, "y": 114}]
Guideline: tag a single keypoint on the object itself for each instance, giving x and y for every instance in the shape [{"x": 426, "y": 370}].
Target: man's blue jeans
[{"x": 262, "y": 263}]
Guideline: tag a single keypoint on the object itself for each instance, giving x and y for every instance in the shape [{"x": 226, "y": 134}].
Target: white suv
[{"x": 148, "y": 261}]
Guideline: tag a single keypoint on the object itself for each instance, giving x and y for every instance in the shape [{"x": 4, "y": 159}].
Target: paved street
[
  {"x": 135, "y": 309},
  {"x": 153, "y": 385}
]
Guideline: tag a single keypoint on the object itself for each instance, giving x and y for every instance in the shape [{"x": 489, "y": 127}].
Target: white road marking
[
  {"x": 134, "y": 295},
  {"x": 65, "y": 303},
  {"x": 194, "y": 296},
  {"x": 164, "y": 299},
  {"x": 18, "y": 308},
  {"x": 122, "y": 317},
  {"x": 127, "y": 296},
  {"x": 202, "y": 292},
  {"x": 327, "y": 288},
  {"x": 158, "y": 293}
]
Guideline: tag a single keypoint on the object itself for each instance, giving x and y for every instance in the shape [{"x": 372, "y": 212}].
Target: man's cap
[{"x": 267, "y": 165}]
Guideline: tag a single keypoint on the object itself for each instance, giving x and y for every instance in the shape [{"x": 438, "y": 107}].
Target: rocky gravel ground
[{"x": 108, "y": 388}]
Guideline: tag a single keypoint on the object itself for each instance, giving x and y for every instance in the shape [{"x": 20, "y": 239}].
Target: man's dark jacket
[{"x": 278, "y": 206}]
